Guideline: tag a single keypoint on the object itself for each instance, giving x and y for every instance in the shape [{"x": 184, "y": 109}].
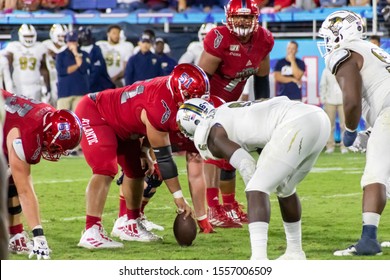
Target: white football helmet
[
  {"x": 57, "y": 34},
  {"x": 204, "y": 29},
  {"x": 191, "y": 113},
  {"x": 339, "y": 27},
  {"x": 27, "y": 35}
]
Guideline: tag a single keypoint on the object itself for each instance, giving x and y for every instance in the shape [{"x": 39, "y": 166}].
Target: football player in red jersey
[
  {"x": 113, "y": 122},
  {"x": 232, "y": 53},
  {"x": 32, "y": 130}
]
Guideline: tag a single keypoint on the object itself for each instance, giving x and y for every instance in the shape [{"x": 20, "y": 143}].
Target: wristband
[
  {"x": 37, "y": 231},
  {"x": 350, "y": 130},
  {"x": 178, "y": 194}
]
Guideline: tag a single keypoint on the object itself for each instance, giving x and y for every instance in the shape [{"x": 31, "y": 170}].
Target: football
[{"x": 184, "y": 230}]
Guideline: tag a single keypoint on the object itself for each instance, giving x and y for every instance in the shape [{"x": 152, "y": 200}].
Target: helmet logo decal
[
  {"x": 185, "y": 80},
  {"x": 64, "y": 130}
]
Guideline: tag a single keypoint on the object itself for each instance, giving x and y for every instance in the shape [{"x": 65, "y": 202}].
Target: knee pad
[
  {"x": 227, "y": 175},
  {"x": 13, "y": 192}
]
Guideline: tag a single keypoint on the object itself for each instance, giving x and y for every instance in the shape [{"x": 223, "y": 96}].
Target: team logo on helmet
[
  {"x": 185, "y": 80},
  {"x": 64, "y": 130}
]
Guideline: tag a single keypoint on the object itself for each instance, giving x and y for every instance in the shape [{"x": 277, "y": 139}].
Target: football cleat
[
  {"x": 365, "y": 247},
  {"x": 235, "y": 212},
  {"x": 149, "y": 225},
  {"x": 292, "y": 256},
  {"x": 118, "y": 226},
  {"x": 134, "y": 231},
  {"x": 20, "y": 243},
  {"x": 218, "y": 218},
  {"x": 96, "y": 238},
  {"x": 385, "y": 244}
]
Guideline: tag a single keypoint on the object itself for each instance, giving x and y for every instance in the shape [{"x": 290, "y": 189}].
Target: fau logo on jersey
[{"x": 185, "y": 80}]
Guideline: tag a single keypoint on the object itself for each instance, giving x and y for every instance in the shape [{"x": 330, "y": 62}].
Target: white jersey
[
  {"x": 237, "y": 120},
  {"x": 375, "y": 76},
  {"x": 116, "y": 55},
  {"x": 5, "y": 75},
  {"x": 51, "y": 64},
  {"x": 192, "y": 54},
  {"x": 26, "y": 65}
]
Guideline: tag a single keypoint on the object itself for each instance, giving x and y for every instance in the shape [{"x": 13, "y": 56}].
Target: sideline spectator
[
  {"x": 27, "y": 59},
  {"x": 116, "y": 52},
  {"x": 289, "y": 72},
  {"x": 73, "y": 66},
  {"x": 98, "y": 77},
  {"x": 152, "y": 35},
  {"x": 167, "y": 62},
  {"x": 143, "y": 65},
  {"x": 54, "y": 45}
]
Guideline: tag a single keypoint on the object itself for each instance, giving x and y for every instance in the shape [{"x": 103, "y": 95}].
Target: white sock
[
  {"x": 258, "y": 232},
  {"x": 293, "y": 236},
  {"x": 371, "y": 218}
]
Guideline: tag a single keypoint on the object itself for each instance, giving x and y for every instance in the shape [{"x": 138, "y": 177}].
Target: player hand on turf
[
  {"x": 41, "y": 248},
  {"x": 349, "y": 137},
  {"x": 360, "y": 143}
]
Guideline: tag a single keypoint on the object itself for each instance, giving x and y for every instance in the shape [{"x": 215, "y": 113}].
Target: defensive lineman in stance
[
  {"x": 362, "y": 71},
  {"x": 291, "y": 134}
]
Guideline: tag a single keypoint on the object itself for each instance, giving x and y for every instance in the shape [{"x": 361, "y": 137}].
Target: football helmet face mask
[
  {"x": 188, "y": 81},
  {"x": 61, "y": 133},
  {"x": 339, "y": 27},
  {"x": 204, "y": 29},
  {"x": 242, "y": 17},
  {"x": 27, "y": 35},
  {"x": 191, "y": 113},
  {"x": 57, "y": 34}
]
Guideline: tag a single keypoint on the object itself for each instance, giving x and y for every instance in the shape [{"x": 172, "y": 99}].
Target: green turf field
[{"x": 331, "y": 219}]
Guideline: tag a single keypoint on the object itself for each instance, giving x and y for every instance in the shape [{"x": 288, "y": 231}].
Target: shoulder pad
[{"x": 337, "y": 58}]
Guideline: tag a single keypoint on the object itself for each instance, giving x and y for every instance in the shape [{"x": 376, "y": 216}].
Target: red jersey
[
  {"x": 26, "y": 115},
  {"x": 121, "y": 108},
  {"x": 239, "y": 61}
]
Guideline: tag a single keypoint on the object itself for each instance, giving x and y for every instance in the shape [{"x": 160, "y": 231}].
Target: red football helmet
[
  {"x": 242, "y": 17},
  {"x": 188, "y": 81},
  {"x": 61, "y": 132}
]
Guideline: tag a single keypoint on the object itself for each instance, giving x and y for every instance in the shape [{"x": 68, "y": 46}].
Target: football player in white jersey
[
  {"x": 5, "y": 74},
  {"x": 292, "y": 135},
  {"x": 116, "y": 52},
  {"x": 54, "y": 46},
  {"x": 27, "y": 58},
  {"x": 195, "y": 49},
  {"x": 361, "y": 69}
]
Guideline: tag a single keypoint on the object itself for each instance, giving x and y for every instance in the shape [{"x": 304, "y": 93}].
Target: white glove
[
  {"x": 41, "y": 248},
  {"x": 360, "y": 143}
]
